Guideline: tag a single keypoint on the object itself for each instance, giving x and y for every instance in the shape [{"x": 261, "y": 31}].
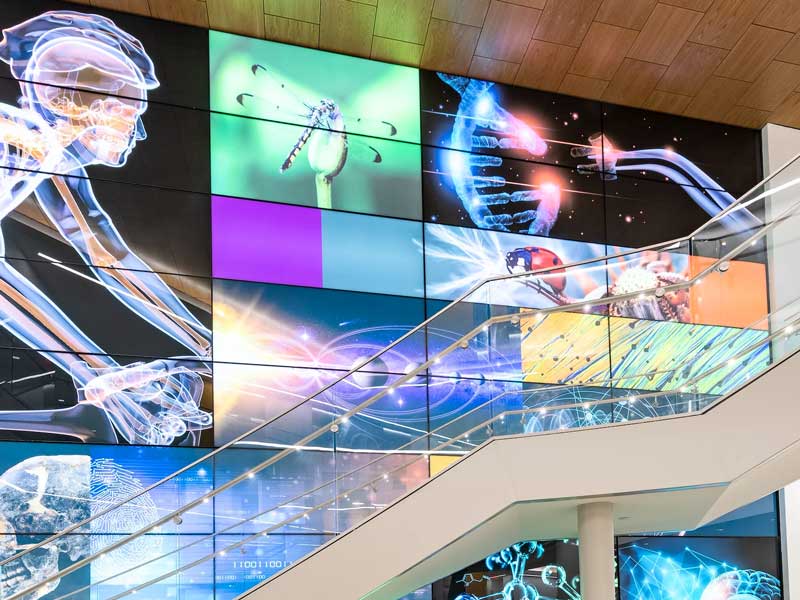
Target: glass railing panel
[
  {"x": 261, "y": 557},
  {"x": 601, "y": 342},
  {"x": 368, "y": 483},
  {"x": 268, "y": 496}
]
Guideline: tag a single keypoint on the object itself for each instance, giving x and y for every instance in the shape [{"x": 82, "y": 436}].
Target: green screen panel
[
  {"x": 262, "y": 160},
  {"x": 286, "y": 83}
]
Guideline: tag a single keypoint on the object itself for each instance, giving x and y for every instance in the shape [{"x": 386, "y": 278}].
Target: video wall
[
  {"x": 737, "y": 556},
  {"x": 202, "y": 229}
]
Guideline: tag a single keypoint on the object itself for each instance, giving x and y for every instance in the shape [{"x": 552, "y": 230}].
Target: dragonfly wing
[
  {"x": 270, "y": 97},
  {"x": 371, "y": 127},
  {"x": 363, "y": 151}
]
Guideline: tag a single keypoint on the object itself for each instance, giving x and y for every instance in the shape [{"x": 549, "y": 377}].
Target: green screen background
[{"x": 246, "y": 154}]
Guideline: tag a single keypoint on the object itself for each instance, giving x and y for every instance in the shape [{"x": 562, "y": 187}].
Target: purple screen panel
[{"x": 261, "y": 241}]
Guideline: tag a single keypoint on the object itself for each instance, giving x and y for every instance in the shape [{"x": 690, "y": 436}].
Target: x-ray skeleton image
[{"x": 84, "y": 85}]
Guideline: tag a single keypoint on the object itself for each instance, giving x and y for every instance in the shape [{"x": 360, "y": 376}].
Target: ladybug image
[{"x": 532, "y": 258}]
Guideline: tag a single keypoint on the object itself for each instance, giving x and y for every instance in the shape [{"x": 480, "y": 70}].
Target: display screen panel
[
  {"x": 154, "y": 144},
  {"x": 276, "y": 325},
  {"x": 640, "y": 354},
  {"x": 179, "y": 53},
  {"x": 73, "y": 482},
  {"x": 248, "y": 395},
  {"x": 698, "y": 568},
  {"x": 660, "y": 146},
  {"x": 709, "y": 303},
  {"x": 67, "y": 308},
  {"x": 315, "y": 336},
  {"x": 475, "y": 116},
  {"x": 644, "y": 211},
  {"x": 302, "y": 86},
  {"x": 527, "y": 569},
  {"x": 276, "y": 243},
  {"x": 265, "y": 160},
  {"x": 492, "y": 192},
  {"x": 457, "y": 258},
  {"x": 236, "y": 573},
  {"x": 112, "y": 224},
  {"x": 104, "y": 399}
]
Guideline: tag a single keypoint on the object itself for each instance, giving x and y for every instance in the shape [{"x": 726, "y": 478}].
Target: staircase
[{"x": 673, "y": 423}]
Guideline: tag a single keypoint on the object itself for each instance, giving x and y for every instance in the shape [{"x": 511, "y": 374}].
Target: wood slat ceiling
[{"x": 734, "y": 61}]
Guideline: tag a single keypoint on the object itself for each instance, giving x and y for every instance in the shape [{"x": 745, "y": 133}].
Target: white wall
[{"x": 779, "y": 145}]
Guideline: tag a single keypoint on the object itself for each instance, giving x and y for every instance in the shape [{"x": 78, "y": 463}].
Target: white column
[{"x": 596, "y": 550}]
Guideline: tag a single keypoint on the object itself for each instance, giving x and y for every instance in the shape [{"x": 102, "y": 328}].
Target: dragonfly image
[{"x": 325, "y": 132}]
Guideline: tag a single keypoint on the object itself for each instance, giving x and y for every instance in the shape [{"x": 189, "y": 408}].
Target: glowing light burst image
[
  {"x": 270, "y": 357},
  {"x": 667, "y": 573},
  {"x": 457, "y": 258}
]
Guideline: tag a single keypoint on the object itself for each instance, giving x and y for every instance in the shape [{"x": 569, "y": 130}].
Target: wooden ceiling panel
[
  {"x": 781, "y": 14},
  {"x": 753, "y": 52},
  {"x": 466, "y": 12},
  {"x": 299, "y": 10},
  {"x": 584, "y": 87},
  {"x": 633, "y": 82},
  {"x": 667, "y": 102},
  {"x": 623, "y": 13},
  {"x": 788, "y": 113},
  {"x": 507, "y": 31},
  {"x": 293, "y": 31},
  {"x": 346, "y": 27},
  {"x": 493, "y": 70},
  {"x": 566, "y": 21},
  {"x": 404, "y": 20},
  {"x": 776, "y": 82},
  {"x": 665, "y": 32},
  {"x": 190, "y": 12},
  {"x": 540, "y": 4},
  {"x": 700, "y": 5},
  {"x": 545, "y": 65},
  {"x": 725, "y": 22},
  {"x": 137, "y": 7},
  {"x": 733, "y": 61},
  {"x": 717, "y": 97},
  {"x": 449, "y": 46},
  {"x": 236, "y": 16},
  {"x": 396, "y": 51},
  {"x": 692, "y": 67},
  {"x": 746, "y": 117},
  {"x": 791, "y": 51},
  {"x": 602, "y": 51}
]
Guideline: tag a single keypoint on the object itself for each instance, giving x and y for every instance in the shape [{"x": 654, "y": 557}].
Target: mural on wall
[
  {"x": 277, "y": 345},
  {"x": 48, "y": 488},
  {"x": 478, "y": 128},
  {"x": 526, "y": 570},
  {"x": 86, "y": 109},
  {"x": 349, "y": 142}
]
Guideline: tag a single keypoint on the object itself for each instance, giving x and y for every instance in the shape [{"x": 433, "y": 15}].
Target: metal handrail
[
  {"x": 464, "y": 434},
  {"x": 740, "y": 204}
]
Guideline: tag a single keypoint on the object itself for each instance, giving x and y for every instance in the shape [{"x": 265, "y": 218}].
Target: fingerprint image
[{"x": 111, "y": 484}]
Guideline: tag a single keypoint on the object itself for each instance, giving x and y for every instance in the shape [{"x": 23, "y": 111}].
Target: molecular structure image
[{"x": 515, "y": 559}]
